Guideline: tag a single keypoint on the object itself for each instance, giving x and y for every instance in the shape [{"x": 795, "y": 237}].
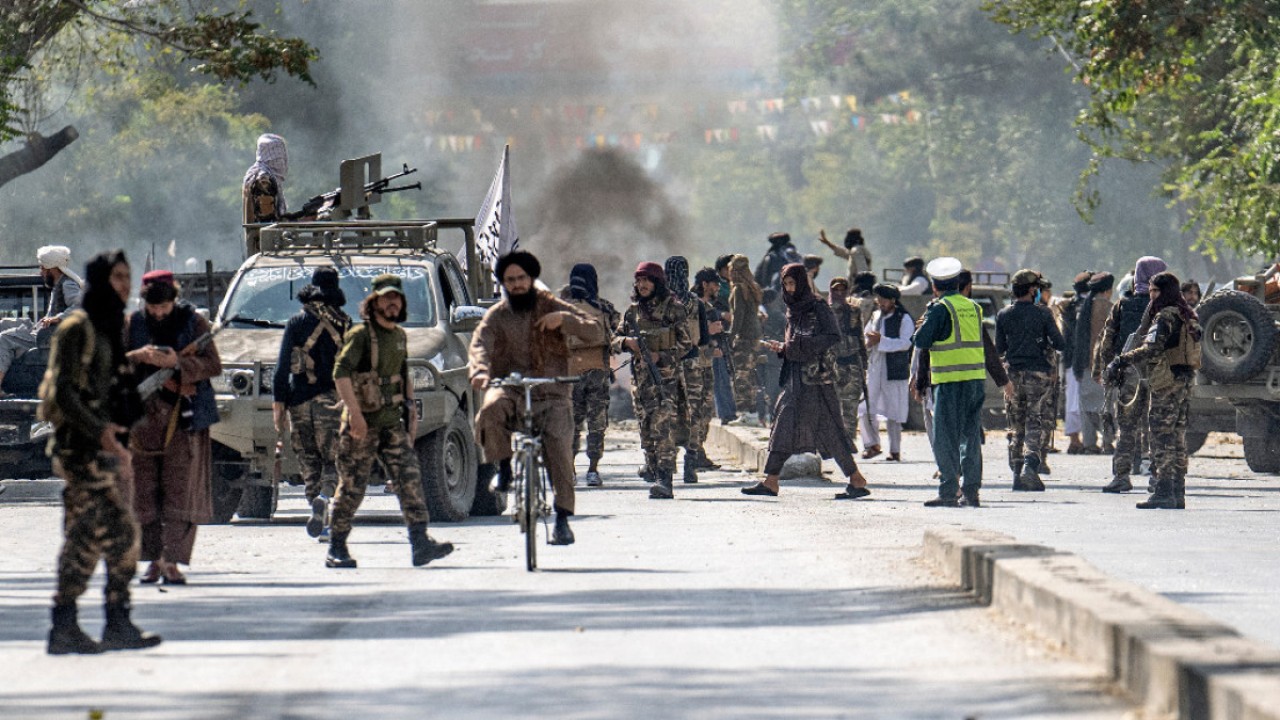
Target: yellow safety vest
[{"x": 960, "y": 357}]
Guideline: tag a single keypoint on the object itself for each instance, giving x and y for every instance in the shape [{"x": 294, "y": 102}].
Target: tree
[
  {"x": 226, "y": 45},
  {"x": 1191, "y": 85}
]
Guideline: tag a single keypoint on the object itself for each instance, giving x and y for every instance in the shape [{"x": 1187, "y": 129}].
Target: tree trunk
[{"x": 38, "y": 151}]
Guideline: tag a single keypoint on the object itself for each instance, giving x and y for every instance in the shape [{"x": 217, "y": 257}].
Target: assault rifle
[
  {"x": 643, "y": 344},
  {"x": 156, "y": 380},
  {"x": 324, "y": 203}
]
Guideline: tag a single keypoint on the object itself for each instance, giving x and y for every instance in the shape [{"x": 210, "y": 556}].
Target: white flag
[{"x": 496, "y": 233}]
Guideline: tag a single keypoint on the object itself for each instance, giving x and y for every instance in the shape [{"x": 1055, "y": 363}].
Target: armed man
[
  {"x": 1024, "y": 333},
  {"x": 526, "y": 333},
  {"x": 851, "y": 354},
  {"x": 717, "y": 351},
  {"x": 654, "y": 330},
  {"x": 371, "y": 374},
  {"x": 90, "y": 399},
  {"x": 1126, "y": 320},
  {"x": 694, "y": 403},
  {"x": 305, "y": 399},
  {"x": 591, "y": 362}
]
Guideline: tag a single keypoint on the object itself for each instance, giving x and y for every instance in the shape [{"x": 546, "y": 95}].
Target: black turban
[
  {"x": 888, "y": 292},
  {"x": 524, "y": 260}
]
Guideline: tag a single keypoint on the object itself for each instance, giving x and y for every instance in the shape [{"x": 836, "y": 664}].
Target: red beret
[
  {"x": 158, "y": 276},
  {"x": 651, "y": 270}
]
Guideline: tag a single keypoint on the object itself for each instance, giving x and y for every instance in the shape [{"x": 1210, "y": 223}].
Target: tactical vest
[
  {"x": 1185, "y": 352},
  {"x": 657, "y": 334},
  {"x": 960, "y": 356},
  {"x": 300, "y": 360},
  {"x": 1131, "y": 311},
  {"x": 374, "y": 391}
]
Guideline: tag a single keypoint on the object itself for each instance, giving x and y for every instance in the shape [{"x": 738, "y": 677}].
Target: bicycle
[{"x": 529, "y": 476}]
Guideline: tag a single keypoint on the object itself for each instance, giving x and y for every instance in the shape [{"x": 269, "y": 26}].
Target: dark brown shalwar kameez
[
  {"x": 807, "y": 414},
  {"x": 172, "y": 483}
]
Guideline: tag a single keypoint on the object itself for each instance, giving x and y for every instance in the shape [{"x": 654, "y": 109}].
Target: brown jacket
[{"x": 507, "y": 342}]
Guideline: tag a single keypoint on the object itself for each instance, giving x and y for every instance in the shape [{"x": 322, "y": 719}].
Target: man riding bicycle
[{"x": 525, "y": 333}]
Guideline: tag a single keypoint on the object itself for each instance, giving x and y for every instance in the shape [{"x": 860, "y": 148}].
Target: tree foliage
[
  {"x": 1191, "y": 84},
  {"x": 227, "y": 45}
]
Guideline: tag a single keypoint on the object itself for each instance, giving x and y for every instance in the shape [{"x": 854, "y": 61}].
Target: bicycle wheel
[{"x": 530, "y": 520}]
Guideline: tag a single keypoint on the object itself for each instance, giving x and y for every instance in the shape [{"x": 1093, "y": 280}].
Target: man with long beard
[
  {"x": 659, "y": 321},
  {"x": 525, "y": 333}
]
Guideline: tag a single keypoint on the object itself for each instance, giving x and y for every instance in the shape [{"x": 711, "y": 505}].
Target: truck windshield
[{"x": 267, "y": 297}]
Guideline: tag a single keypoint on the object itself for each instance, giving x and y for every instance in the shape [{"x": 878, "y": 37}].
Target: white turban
[{"x": 54, "y": 256}]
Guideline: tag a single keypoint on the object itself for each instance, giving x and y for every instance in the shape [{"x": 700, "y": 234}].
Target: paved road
[
  {"x": 714, "y": 605},
  {"x": 1220, "y": 556}
]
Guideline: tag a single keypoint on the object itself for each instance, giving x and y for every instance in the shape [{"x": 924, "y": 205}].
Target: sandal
[
  {"x": 759, "y": 489},
  {"x": 174, "y": 576},
  {"x": 153, "y": 574}
]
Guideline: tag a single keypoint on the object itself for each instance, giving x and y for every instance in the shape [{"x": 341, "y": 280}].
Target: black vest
[{"x": 897, "y": 364}]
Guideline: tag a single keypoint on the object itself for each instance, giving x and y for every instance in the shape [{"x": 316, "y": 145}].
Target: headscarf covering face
[
  {"x": 677, "y": 270},
  {"x": 743, "y": 280},
  {"x": 1171, "y": 296},
  {"x": 272, "y": 160},
  {"x": 102, "y": 303},
  {"x": 800, "y": 299},
  {"x": 584, "y": 284},
  {"x": 324, "y": 288},
  {"x": 1147, "y": 268}
]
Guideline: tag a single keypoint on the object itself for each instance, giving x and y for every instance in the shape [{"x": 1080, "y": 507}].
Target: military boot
[
  {"x": 704, "y": 462},
  {"x": 1162, "y": 499},
  {"x": 1016, "y": 467},
  {"x": 661, "y": 489},
  {"x": 425, "y": 549},
  {"x": 121, "y": 634},
  {"x": 690, "y": 466},
  {"x": 66, "y": 637},
  {"x": 1029, "y": 479},
  {"x": 338, "y": 556},
  {"x": 1118, "y": 484},
  {"x": 1180, "y": 492}
]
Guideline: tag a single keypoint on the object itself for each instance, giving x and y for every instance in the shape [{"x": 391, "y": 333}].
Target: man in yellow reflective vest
[{"x": 952, "y": 333}]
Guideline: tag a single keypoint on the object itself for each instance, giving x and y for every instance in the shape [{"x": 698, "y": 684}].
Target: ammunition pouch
[{"x": 373, "y": 391}]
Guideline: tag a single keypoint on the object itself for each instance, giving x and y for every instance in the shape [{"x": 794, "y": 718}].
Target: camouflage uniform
[
  {"x": 662, "y": 323},
  {"x": 695, "y": 403},
  {"x": 1029, "y": 411},
  {"x": 591, "y": 393},
  {"x": 387, "y": 438},
  {"x": 313, "y": 431},
  {"x": 851, "y": 363},
  {"x": 1171, "y": 358},
  {"x": 1126, "y": 317}
]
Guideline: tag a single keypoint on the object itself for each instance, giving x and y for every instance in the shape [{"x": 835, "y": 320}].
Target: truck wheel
[
  {"x": 447, "y": 458},
  {"x": 258, "y": 502},
  {"x": 227, "y": 487},
  {"x": 1195, "y": 441},
  {"x": 1262, "y": 454},
  {"x": 1239, "y": 336},
  {"x": 487, "y": 501}
]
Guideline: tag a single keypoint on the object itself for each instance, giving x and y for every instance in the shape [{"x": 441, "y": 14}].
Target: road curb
[
  {"x": 1166, "y": 657},
  {"x": 741, "y": 444}
]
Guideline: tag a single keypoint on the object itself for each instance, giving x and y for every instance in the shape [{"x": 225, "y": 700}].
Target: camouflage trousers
[
  {"x": 392, "y": 446},
  {"x": 1131, "y": 426},
  {"x": 695, "y": 405},
  {"x": 746, "y": 381},
  {"x": 655, "y": 408},
  {"x": 1169, "y": 411},
  {"x": 314, "y": 434},
  {"x": 1028, "y": 418},
  {"x": 97, "y": 524},
  {"x": 591, "y": 408},
  {"x": 849, "y": 381}
]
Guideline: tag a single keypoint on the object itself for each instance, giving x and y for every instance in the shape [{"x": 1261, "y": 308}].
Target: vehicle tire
[
  {"x": 1239, "y": 336},
  {"x": 447, "y": 459},
  {"x": 1195, "y": 441},
  {"x": 487, "y": 501},
  {"x": 226, "y": 486},
  {"x": 258, "y": 502},
  {"x": 1262, "y": 454}
]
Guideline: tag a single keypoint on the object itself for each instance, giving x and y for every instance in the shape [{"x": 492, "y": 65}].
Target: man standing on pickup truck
[
  {"x": 264, "y": 181},
  {"x": 64, "y": 296},
  {"x": 372, "y": 377},
  {"x": 305, "y": 398},
  {"x": 1126, "y": 319},
  {"x": 82, "y": 395},
  {"x": 525, "y": 333}
]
